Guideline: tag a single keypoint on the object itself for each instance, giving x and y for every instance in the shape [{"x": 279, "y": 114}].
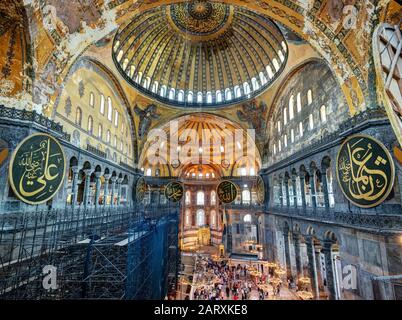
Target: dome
[{"x": 200, "y": 53}]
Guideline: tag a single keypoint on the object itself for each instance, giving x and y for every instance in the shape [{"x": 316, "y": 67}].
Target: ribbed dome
[{"x": 200, "y": 53}]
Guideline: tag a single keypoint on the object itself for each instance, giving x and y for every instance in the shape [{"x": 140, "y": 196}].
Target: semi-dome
[{"x": 200, "y": 53}]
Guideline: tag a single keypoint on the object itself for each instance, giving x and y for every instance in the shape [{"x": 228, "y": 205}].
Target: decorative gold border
[
  {"x": 237, "y": 191},
  {"x": 392, "y": 171},
  {"x": 164, "y": 191},
  {"x": 12, "y": 161}
]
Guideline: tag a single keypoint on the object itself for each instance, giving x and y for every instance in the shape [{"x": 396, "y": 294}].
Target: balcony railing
[
  {"x": 33, "y": 116},
  {"x": 96, "y": 151}
]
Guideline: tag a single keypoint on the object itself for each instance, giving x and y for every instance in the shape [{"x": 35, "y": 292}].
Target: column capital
[
  {"x": 107, "y": 176},
  {"x": 98, "y": 174},
  {"x": 114, "y": 179},
  {"x": 88, "y": 172},
  {"x": 75, "y": 169}
]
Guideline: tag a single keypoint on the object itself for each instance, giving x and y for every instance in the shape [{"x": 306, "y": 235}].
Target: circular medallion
[
  {"x": 225, "y": 163},
  {"x": 176, "y": 163},
  {"x": 174, "y": 191},
  {"x": 140, "y": 189},
  {"x": 365, "y": 171},
  {"x": 37, "y": 168},
  {"x": 227, "y": 191},
  {"x": 260, "y": 190}
]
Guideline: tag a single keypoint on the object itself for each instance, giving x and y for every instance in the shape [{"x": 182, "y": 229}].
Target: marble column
[
  {"x": 317, "y": 253},
  {"x": 114, "y": 179},
  {"x": 303, "y": 190},
  {"x": 329, "y": 266},
  {"x": 106, "y": 188},
  {"x": 312, "y": 264},
  {"x": 296, "y": 242},
  {"x": 281, "y": 192},
  {"x": 74, "y": 186},
  {"x": 287, "y": 253},
  {"x": 287, "y": 193},
  {"x": 119, "y": 184},
  {"x": 97, "y": 187},
  {"x": 88, "y": 173},
  {"x": 312, "y": 191}
]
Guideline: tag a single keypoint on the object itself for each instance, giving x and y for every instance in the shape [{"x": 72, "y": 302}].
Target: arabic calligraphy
[
  {"x": 37, "y": 168},
  {"x": 174, "y": 191},
  {"x": 365, "y": 171},
  {"x": 227, "y": 191},
  {"x": 140, "y": 189}
]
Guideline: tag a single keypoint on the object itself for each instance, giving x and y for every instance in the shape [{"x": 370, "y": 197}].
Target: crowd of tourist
[{"x": 219, "y": 280}]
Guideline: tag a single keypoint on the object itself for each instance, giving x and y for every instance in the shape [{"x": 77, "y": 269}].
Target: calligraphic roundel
[
  {"x": 260, "y": 190},
  {"x": 140, "y": 189},
  {"x": 174, "y": 191},
  {"x": 365, "y": 171},
  {"x": 37, "y": 168},
  {"x": 227, "y": 191}
]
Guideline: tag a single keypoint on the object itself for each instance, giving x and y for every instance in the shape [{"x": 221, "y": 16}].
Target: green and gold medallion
[
  {"x": 174, "y": 191},
  {"x": 37, "y": 168},
  {"x": 140, "y": 189},
  {"x": 365, "y": 171},
  {"x": 227, "y": 192},
  {"x": 260, "y": 190}
]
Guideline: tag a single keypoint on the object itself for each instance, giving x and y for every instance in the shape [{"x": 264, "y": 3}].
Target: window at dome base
[{"x": 202, "y": 55}]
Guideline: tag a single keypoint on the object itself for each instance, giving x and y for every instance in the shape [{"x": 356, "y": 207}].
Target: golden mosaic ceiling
[{"x": 200, "y": 53}]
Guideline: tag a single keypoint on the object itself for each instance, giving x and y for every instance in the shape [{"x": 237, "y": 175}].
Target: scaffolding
[{"x": 99, "y": 253}]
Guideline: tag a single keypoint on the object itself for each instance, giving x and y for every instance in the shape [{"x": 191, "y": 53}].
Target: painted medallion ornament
[
  {"x": 365, "y": 171},
  {"x": 260, "y": 190},
  {"x": 227, "y": 192},
  {"x": 140, "y": 189},
  {"x": 37, "y": 168},
  {"x": 174, "y": 191}
]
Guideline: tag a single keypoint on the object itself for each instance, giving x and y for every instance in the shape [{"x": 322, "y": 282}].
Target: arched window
[
  {"x": 301, "y": 129},
  {"x": 132, "y": 71},
  {"x": 180, "y": 96},
  {"x": 269, "y": 71},
  {"x": 276, "y": 64},
  {"x": 307, "y": 190},
  {"x": 247, "y": 218},
  {"x": 292, "y": 135},
  {"x": 281, "y": 56},
  {"x": 115, "y": 141},
  {"x": 330, "y": 188},
  {"x": 116, "y": 46},
  {"x": 311, "y": 121},
  {"x": 246, "y": 196},
  {"x": 277, "y": 193},
  {"x": 148, "y": 173},
  {"x": 163, "y": 91},
  {"x": 255, "y": 84},
  {"x": 213, "y": 197},
  {"x": 309, "y": 97},
  {"x": 252, "y": 172},
  {"x": 274, "y": 149},
  {"x": 100, "y": 131},
  {"x": 280, "y": 145},
  {"x": 138, "y": 78},
  {"x": 299, "y": 105},
  {"x": 284, "y": 199},
  {"x": 109, "y": 109},
  {"x": 243, "y": 171},
  {"x": 171, "y": 93},
  {"x": 147, "y": 82},
  {"x": 199, "y": 97},
  {"x": 108, "y": 136},
  {"x": 263, "y": 79},
  {"x": 120, "y": 55},
  {"x": 319, "y": 190},
  {"x": 90, "y": 124},
  {"x": 291, "y": 195},
  {"x": 200, "y": 198},
  {"x": 323, "y": 114},
  {"x": 279, "y": 126},
  {"x": 285, "y": 116},
  {"x": 188, "y": 218},
  {"x": 209, "y": 97},
  {"x": 228, "y": 94},
  {"x": 155, "y": 87},
  {"x": 284, "y": 46},
  {"x": 299, "y": 192},
  {"x": 213, "y": 218},
  {"x": 190, "y": 97},
  {"x": 237, "y": 91},
  {"x": 188, "y": 198},
  {"x": 78, "y": 116},
  {"x": 246, "y": 88},
  {"x": 116, "y": 118},
  {"x": 218, "y": 96},
  {"x": 285, "y": 140},
  {"x": 91, "y": 99},
  {"x": 125, "y": 64},
  {"x": 102, "y": 104},
  {"x": 291, "y": 107},
  {"x": 200, "y": 218}
]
